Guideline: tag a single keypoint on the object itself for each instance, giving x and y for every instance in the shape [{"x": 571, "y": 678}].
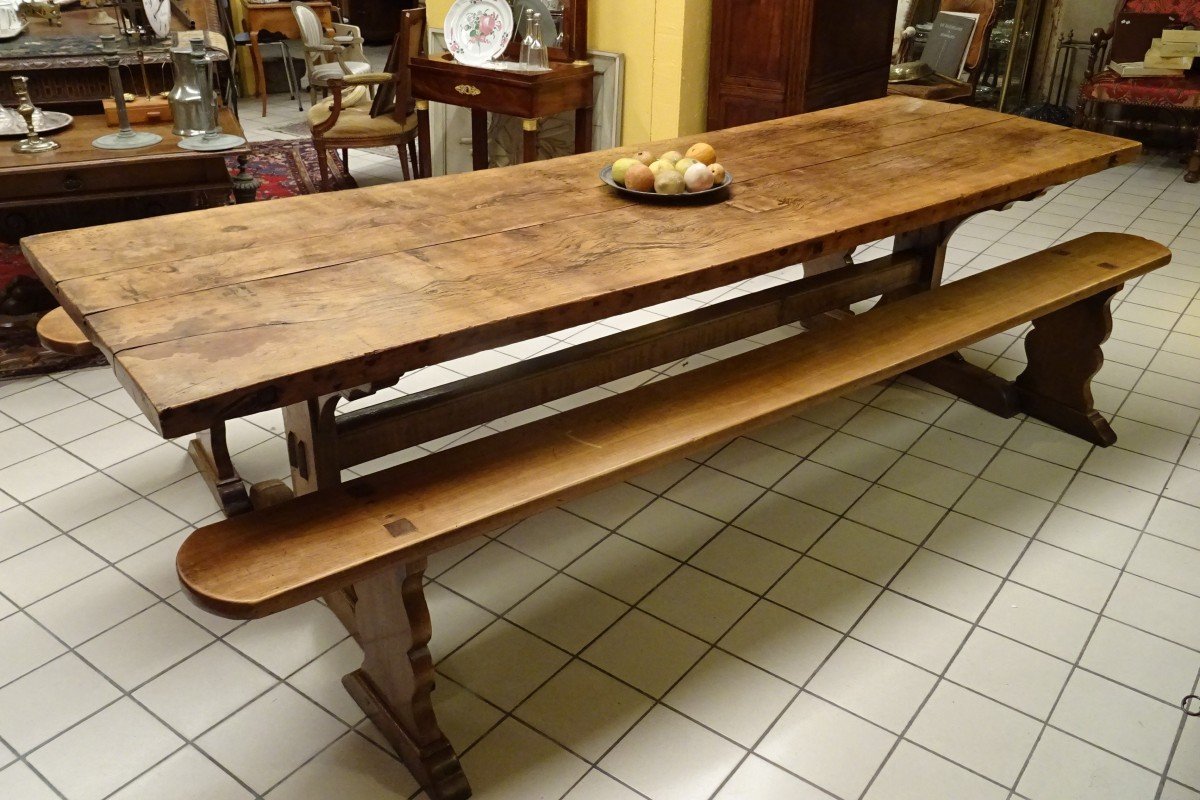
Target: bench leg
[
  {"x": 1064, "y": 354},
  {"x": 952, "y": 373},
  {"x": 210, "y": 454},
  {"x": 395, "y": 683}
]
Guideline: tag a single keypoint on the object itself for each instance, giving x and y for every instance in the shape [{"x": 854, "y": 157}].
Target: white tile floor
[{"x": 894, "y": 596}]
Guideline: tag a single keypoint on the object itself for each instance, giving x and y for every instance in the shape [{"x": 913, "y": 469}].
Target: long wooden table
[
  {"x": 216, "y": 314},
  {"x": 301, "y": 304}
]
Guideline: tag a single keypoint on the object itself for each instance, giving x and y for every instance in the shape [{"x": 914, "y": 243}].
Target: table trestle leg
[
  {"x": 394, "y": 685},
  {"x": 1064, "y": 354},
  {"x": 210, "y": 453},
  {"x": 951, "y": 373}
]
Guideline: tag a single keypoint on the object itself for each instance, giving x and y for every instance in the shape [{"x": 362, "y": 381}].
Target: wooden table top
[
  {"x": 219, "y": 313},
  {"x": 76, "y": 147}
]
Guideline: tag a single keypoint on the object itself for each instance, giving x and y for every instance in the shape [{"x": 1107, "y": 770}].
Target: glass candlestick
[
  {"x": 33, "y": 143},
  {"x": 126, "y": 138},
  {"x": 213, "y": 137}
]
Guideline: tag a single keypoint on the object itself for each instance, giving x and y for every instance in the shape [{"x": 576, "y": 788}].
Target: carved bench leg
[
  {"x": 210, "y": 453},
  {"x": 1064, "y": 354},
  {"x": 395, "y": 683}
]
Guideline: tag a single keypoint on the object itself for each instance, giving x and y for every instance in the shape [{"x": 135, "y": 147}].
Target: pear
[
  {"x": 704, "y": 153},
  {"x": 718, "y": 173},
  {"x": 670, "y": 182},
  {"x": 660, "y": 166},
  {"x": 644, "y": 156},
  {"x": 639, "y": 177},
  {"x": 683, "y": 164},
  {"x": 671, "y": 156},
  {"x": 698, "y": 178},
  {"x": 619, "y": 168}
]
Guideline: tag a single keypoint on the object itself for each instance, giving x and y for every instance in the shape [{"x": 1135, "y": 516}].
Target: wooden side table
[
  {"x": 78, "y": 185},
  {"x": 277, "y": 18},
  {"x": 530, "y": 96}
]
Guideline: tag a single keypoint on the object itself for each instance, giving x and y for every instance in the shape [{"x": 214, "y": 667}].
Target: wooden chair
[
  {"x": 948, "y": 87},
  {"x": 901, "y": 40},
  {"x": 346, "y": 120},
  {"x": 326, "y": 58},
  {"x": 1180, "y": 96}
]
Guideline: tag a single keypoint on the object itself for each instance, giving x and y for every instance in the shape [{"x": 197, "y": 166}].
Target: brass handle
[{"x": 467, "y": 89}]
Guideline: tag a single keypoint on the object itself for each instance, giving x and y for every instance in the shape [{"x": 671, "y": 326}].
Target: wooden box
[{"x": 142, "y": 111}]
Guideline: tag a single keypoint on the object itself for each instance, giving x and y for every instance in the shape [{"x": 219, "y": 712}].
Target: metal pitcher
[{"x": 190, "y": 110}]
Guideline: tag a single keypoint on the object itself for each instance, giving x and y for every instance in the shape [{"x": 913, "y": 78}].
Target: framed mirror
[{"x": 564, "y": 27}]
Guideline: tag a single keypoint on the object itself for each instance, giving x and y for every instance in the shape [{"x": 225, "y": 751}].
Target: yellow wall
[{"x": 665, "y": 43}]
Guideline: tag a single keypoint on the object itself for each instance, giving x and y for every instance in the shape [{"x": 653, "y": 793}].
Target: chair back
[
  {"x": 904, "y": 15},
  {"x": 310, "y": 25},
  {"x": 409, "y": 43},
  {"x": 977, "y": 51},
  {"x": 1188, "y": 11}
]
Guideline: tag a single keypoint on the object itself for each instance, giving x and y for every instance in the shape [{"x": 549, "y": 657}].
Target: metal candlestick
[
  {"x": 127, "y": 138},
  {"x": 213, "y": 138},
  {"x": 33, "y": 143},
  {"x": 141, "y": 56}
]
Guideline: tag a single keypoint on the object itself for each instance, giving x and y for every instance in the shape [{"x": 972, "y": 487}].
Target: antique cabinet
[{"x": 773, "y": 58}]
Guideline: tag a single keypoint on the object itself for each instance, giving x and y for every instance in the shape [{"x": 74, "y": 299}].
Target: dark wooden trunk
[{"x": 774, "y": 58}]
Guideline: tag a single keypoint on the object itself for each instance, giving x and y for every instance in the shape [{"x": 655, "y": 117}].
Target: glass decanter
[{"x": 534, "y": 55}]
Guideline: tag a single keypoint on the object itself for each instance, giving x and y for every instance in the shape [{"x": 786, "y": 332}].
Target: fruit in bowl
[
  {"x": 639, "y": 178},
  {"x": 671, "y": 173}
]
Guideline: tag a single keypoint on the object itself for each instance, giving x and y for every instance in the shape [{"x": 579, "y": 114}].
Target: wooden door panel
[
  {"x": 771, "y": 58},
  {"x": 745, "y": 110},
  {"x": 753, "y": 48},
  {"x": 844, "y": 43}
]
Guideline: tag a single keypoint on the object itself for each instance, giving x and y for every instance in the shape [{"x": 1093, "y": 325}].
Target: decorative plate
[
  {"x": 675, "y": 199},
  {"x": 478, "y": 30},
  {"x": 13, "y": 124}
]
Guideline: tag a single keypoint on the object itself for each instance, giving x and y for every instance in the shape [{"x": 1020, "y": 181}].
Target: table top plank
[
  {"x": 463, "y": 215},
  {"x": 226, "y": 345},
  {"x": 488, "y": 196}
]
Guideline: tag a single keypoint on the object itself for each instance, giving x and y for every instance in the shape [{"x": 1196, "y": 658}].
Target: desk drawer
[
  {"x": 474, "y": 93},
  {"x": 70, "y": 183}
]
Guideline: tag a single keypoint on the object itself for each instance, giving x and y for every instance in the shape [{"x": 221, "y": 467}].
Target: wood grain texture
[
  {"x": 258, "y": 564},
  {"x": 203, "y": 327}
]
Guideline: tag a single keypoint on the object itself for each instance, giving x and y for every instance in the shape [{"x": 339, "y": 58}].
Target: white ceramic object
[
  {"x": 158, "y": 13},
  {"x": 478, "y": 30}
]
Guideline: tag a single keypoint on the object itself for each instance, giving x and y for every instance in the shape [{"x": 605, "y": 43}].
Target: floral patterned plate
[{"x": 478, "y": 30}]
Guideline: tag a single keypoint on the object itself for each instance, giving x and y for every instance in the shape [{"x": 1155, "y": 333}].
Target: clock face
[{"x": 158, "y": 14}]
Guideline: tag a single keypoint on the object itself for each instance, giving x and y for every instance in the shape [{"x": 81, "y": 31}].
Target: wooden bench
[
  {"x": 59, "y": 333},
  {"x": 370, "y": 537}
]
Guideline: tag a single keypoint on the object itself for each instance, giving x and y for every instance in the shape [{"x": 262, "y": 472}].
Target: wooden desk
[
  {"x": 78, "y": 185},
  {"x": 276, "y": 18},
  {"x": 299, "y": 304},
  {"x": 567, "y": 86},
  {"x": 65, "y": 67}
]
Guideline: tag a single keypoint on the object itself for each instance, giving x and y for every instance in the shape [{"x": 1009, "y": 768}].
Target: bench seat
[{"x": 269, "y": 560}]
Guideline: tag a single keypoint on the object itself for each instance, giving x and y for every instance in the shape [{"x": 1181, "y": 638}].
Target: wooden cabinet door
[
  {"x": 849, "y": 53},
  {"x": 773, "y": 58},
  {"x": 752, "y": 56}
]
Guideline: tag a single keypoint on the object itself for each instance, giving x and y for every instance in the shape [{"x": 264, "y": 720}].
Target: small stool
[{"x": 59, "y": 333}]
